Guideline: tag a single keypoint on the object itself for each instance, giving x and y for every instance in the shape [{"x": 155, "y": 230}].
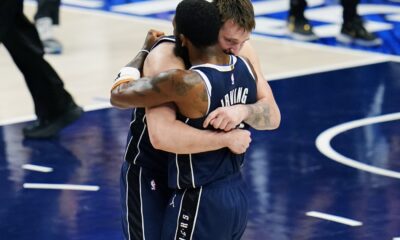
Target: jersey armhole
[{"x": 250, "y": 68}]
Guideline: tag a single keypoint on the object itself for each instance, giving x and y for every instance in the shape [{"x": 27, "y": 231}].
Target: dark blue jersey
[
  {"x": 227, "y": 85},
  {"x": 139, "y": 149}
]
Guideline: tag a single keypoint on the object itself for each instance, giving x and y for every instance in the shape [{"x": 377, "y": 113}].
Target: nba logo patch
[
  {"x": 153, "y": 185},
  {"x": 232, "y": 79}
]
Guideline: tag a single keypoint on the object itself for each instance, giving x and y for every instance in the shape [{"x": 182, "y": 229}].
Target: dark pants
[
  {"x": 297, "y": 8},
  {"x": 48, "y": 8},
  {"x": 144, "y": 198},
  {"x": 22, "y": 41}
]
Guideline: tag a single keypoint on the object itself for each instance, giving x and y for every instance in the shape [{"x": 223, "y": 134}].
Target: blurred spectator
[
  {"x": 54, "y": 106},
  {"x": 352, "y": 31},
  {"x": 46, "y": 17}
]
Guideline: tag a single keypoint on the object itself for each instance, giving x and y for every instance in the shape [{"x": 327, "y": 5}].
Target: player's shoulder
[
  {"x": 185, "y": 77},
  {"x": 163, "y": 50},
  {"x": 162, "y": 58}
]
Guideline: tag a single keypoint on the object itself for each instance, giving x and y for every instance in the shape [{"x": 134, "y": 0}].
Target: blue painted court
[
  {"x": 289, "y": 179},
  {"x": 330, "y": 172}
]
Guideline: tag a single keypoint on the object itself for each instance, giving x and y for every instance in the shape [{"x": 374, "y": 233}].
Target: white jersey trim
[
  {"x": 140, "y": 139},
  {"x": 141, "y": 202},
  {"x": 177, "y": 171},
  {"x": 179, "y": 213},
  {"x": 197, "y": 211},
  {"x": 126, "y": 201},
  {"x": 191, "y": 162},
  {"x": 249, "y": 68},
  {"x": 221, "y": 68},
  {"x": 130, "y": 140}
]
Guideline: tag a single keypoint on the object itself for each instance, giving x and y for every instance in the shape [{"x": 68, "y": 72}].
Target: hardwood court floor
[{"x": 336, "y": 151}]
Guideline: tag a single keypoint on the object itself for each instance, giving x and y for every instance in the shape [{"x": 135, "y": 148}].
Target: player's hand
[
  {"x": 238, "y": 140},
  {"x": 151, "y": 38},
  {"x": 225, "y": 118}
]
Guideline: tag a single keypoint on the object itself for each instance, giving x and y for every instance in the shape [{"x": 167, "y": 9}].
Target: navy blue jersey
[
  {"x": 227, "y": 85},
  {"x": 139, "y": 149}
]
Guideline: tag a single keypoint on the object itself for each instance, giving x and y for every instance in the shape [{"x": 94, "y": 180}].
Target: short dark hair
[
  {"x": 240, "y": 12},
  {"x": 199, "y": 21}
]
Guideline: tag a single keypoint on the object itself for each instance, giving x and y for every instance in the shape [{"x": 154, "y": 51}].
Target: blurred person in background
[
  {"x": 352, "y": 30},
  {"x": 54, "y": 106},
  {"x": 46, "y": 17}
]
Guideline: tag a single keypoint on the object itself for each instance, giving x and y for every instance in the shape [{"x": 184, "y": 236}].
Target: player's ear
[{"x": 183, "y": 40}]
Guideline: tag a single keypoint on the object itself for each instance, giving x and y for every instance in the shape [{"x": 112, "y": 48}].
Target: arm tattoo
[
  {"x": 183, "y": 87},
  {"x": 259, "y": 116}
]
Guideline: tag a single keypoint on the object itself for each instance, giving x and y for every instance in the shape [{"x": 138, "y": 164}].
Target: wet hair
[
  {"x": 240, "y": 11},
  {"x": 199, "y": 21}
]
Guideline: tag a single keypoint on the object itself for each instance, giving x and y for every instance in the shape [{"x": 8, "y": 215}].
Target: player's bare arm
[
  {"x": 262, "y": 115},
  {"x": 184, "y": 88},
  {"x": 265, "y": 113},
  {"x": 163, "y": 125}
]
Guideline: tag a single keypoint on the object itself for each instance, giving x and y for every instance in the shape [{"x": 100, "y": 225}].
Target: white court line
[
  {"x": 323, "y": 143},
  {"x": 17, "y": 120},
  {"x": 37, "y": 168},
  {"x": 144, "y": 8},
  {"x": 88, "y": 108},
  {"x": 84, "y": 3},
  {"x": 61, "y": 186},
  {"x": 333, "y": 218},
  {"x": 396, "y": 238}
]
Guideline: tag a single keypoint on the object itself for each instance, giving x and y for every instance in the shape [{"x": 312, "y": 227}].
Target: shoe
[
  {"x": 300, "y": 29},
  {"x": 52, "y": 46},
  {"x": 355, "y": 32},
  {"x": 45, "y": 27},
  {"x": 48, "y": 129}
]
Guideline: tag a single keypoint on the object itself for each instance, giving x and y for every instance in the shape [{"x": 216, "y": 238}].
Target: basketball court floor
[{"x": 331, "y": 171}]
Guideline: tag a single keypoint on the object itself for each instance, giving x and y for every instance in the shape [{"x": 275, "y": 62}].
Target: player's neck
[{"x": 213, "y": 55}]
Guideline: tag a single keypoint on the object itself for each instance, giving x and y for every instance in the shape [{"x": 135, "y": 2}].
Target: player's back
[
  {"x": 139, "y": 150},
  {"x": 227, "y": 85}
]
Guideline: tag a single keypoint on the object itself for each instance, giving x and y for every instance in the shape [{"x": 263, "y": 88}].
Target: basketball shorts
[
  {"x": 214, "y": 211},
  {"x": 144, "y": 197}
]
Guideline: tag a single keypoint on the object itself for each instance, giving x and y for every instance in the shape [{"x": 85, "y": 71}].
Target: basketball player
[
  {"x": 196, "y": 93},
  {"x": 238, "y": 18},
  {"x": 144, "y": 190}
]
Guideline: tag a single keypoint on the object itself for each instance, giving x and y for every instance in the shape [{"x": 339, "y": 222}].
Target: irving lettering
[{"x": 235, "y": 96}]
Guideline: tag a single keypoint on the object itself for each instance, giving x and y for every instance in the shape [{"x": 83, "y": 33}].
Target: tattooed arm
[
  {"x": 262, "y": 115},
  {"x": 184, "y": 88}
]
